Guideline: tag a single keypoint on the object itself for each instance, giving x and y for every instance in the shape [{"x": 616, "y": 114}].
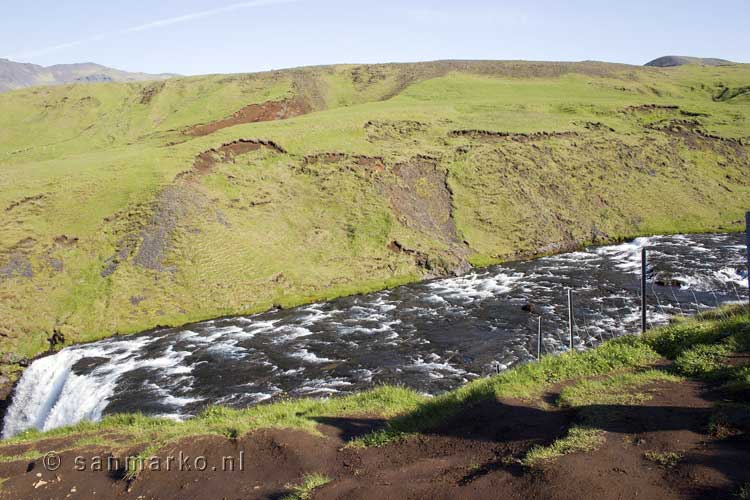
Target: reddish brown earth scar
[
  {"x": 252, "y": 113},
  {"x": 205, "y": 161}
]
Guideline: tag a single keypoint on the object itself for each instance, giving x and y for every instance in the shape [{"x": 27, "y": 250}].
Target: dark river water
[{"x": 430, "y": 336}]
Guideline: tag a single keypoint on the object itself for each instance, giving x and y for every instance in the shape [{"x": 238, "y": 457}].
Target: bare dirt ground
[
  {"x": 474, "y": 455},
  {"x": 252, "y": 113}
]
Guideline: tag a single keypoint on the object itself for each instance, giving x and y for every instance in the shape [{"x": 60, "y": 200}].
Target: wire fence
[{"x": 591, "y": 315}]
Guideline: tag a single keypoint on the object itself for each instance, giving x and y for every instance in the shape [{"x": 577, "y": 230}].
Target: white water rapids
[{"x": 430, "y": 336}]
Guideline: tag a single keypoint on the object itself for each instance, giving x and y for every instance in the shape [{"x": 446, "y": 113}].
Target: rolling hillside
[
  {"x": 129, "y": 205},
  {"x": 15, "y": 75}
]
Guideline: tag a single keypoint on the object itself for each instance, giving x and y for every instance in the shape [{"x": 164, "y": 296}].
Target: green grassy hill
[{"x": 125, "y": 206}]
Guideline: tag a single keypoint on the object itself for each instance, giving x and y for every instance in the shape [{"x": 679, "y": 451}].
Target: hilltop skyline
[{"x": 199, "y": 37}]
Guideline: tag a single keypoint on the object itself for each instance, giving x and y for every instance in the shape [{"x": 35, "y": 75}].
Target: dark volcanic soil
[{"x": 473, "y": 456}]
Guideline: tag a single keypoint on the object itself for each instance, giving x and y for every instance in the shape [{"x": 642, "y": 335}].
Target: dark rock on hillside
[{"x": 670, "y": 61}]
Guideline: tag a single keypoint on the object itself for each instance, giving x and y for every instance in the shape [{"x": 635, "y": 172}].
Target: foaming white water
[
  {"x": 627, "y": 256},
  {"x": 732, "y": 276},
  {"x": 475, "y": 286},
  {"x": 322, "y": 387},
  {"x": 727, "y": 277},
  {"x": 50, "y": 393},
  {"x": 430, "y": 336},
  {"x": 292, "y": 333},
  {"x": 310, "y": 357},
  {"x": 38, "y": 401},
  {"x": 434, "y": 367}
]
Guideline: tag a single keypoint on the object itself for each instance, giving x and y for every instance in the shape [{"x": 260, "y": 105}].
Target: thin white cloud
[{"x": 148, "y": 26}]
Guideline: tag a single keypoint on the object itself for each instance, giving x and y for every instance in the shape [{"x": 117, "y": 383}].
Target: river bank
[
  {"x": 403, "y": 336},
  {"x": 663, "y": 415}
]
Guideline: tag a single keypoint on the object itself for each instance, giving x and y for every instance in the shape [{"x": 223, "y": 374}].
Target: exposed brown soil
[
  {"x": 647, "y": 108},
  {"x": 252, "y": 113},
  {"x": 420, "y": 258},
  {"x": 419, "y": 195},
  {"x": 205, "y": 161},
  {"x": 691, "y": 132},
  {"x": 474, "y": 455},
  {"x": 65, "y": 240},
  {"x": 517, "y": 137},
  {"x": 421, "y": 198},
  {"x": 597, "y": 126}
]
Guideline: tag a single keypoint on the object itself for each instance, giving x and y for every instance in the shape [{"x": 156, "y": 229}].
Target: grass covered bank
[
  {"x": 699, "y": 347},
  {"x": 672, "y": 403}
]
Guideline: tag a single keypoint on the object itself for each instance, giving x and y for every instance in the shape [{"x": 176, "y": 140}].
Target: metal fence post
[
  {"x": 747, "y": 242},
  {"x": 570, "y": 316},
  {"x": 539, "y": 340},
  {"x": 643, "y": 290}
]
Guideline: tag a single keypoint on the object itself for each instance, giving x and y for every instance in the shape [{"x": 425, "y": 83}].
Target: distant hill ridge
[
  {"x": 670, "y": 61},
  {"x": 14, "y": 75}
]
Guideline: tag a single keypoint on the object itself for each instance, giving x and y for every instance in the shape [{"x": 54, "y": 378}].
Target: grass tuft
[
  {"x": 743, "y": 492},
  {"x": 665, "y": 459},
  {"x": 304, "y": 490},
  {"x": 578, "y": 440},
  {"x": 618, "y": 389}
]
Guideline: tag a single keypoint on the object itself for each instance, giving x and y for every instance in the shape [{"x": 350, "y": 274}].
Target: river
[{"x": 430, "y": 336}]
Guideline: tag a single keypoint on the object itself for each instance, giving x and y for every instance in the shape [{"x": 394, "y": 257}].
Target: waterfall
[
  {"x": 52, "y": 394},
  {"x": 49, "y": 395}
]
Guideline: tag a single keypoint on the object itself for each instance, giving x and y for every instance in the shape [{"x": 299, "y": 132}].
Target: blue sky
[{"x": 227, "y": 36}]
